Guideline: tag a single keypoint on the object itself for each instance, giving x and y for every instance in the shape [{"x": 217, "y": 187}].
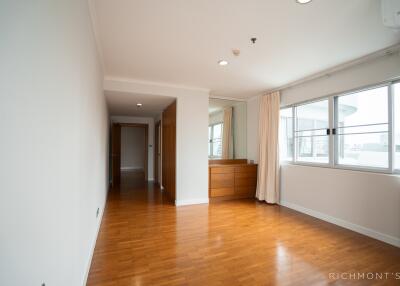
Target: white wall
[
  {"x": 150, "y": 122},
  {"x": 53, "y": 147},
  {"x": 191, "y": 135},
  {"x": 192, "y": 149},
  {"x": 366, "y": 202},
  {"x": 132, "y": 147}
]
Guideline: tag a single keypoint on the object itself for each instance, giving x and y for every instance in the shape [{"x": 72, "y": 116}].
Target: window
[
  {"x": 286, "y": 134},
  {"x": 358, "y": 130},
  {"x": 215, "y": 140},
  {"x": 312, "y": 141},
  {"x": 396, "y": 92},
  {"x": 363, "y": 128}
]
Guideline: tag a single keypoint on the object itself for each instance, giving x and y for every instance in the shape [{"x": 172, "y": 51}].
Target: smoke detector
[{"x": 236, "y": 52}]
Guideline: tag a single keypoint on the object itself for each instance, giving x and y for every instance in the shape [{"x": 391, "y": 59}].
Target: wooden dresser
[{"x": 231, "y": 179}]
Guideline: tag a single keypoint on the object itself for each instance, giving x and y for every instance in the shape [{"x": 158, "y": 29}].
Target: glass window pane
[
  {"x": 313, "y": 115},
  {"x": 313, "y": 149},
  {"x": 286, "y": 134},
  {"x": 311, "y": 139},
  {"x": 397, "y": 124},
  {"x": 364, "y": 107},
  {"x": 362, "y": 123},
  {"x": 217, "y": 131},
  {"x": 364, "y": 150},
  {"x": 217, "y": 148}
]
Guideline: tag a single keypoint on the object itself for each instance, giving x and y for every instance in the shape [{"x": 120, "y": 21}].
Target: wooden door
[
  {"x": 169, "y": 150},
  {"x": 157, "y": 152},
  {"x": 116, "y": 154}
]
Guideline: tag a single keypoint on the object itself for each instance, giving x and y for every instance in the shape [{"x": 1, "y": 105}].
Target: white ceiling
[
  {"x": 124, "y": 104},
  {"x": 180, "y": 41}
]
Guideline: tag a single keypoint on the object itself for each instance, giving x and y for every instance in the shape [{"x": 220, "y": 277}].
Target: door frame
[{"x": 146, "y": 143}]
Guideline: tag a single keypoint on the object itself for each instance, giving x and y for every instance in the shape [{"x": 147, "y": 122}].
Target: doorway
[{"x": 129, "y": 151}]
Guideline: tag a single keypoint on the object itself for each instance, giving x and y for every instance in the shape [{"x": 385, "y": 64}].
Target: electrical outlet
[{"x": 97, "y": 212}]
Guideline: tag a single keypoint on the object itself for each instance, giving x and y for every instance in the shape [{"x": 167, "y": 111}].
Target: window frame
[
  {"x": 211, "y": 141},
  {"x": 333, "y": 139},
  {"x": 389, "y": 132},
  {"x": 392, "y": 139},
  {"x": 293, "y": 133}
]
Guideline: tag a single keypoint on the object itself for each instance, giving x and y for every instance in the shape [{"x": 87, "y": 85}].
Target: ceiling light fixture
[
  {"x": 139, "y": 104},
  {"x": 222, "y": 63},
  {"x": 303, "y": 1}
]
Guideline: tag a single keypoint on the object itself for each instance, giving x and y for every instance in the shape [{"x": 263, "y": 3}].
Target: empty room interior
[{"x": 199, "y": 142}]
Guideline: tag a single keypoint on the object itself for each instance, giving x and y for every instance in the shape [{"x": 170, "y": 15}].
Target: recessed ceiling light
[
  {"x": 303, "y": 1},
  {"x": 139, "y": 104},
  {"x": 222, "y": 63}
]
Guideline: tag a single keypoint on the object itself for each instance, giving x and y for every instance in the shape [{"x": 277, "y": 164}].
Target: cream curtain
[
  {"x": 227, "y": 134},
  {"x": 268, "y": 161}
]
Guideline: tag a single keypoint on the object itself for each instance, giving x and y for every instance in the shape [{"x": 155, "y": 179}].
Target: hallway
[{"x": 145, "y": 240}]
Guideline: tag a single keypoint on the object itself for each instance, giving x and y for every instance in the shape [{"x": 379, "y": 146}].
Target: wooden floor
[{"x": 145, "y": 240}]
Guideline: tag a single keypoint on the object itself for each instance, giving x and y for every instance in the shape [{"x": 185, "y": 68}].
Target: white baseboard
[
  {"x": 191, "y": 202},
  {"x": 94, "y": 242},
  {"x": 345, "y": 224}
]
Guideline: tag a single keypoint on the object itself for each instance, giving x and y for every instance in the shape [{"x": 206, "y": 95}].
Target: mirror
[{"x": 227, "y": 138}]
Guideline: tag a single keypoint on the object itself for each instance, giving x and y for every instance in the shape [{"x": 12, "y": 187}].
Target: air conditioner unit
[{"x": 391, "y": 13}]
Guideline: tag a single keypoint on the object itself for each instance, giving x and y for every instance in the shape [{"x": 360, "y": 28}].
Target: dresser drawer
[
  {"x": 234, "y": 181},
  {"x": 246, "y": 169},
  {"x": 218, "y": 181},
  {"x": 245, "y": 191},
  {"x": 222, "y": 170},
  {"x": 244, "y": 180},
  {"x": 246, "y": 175}
]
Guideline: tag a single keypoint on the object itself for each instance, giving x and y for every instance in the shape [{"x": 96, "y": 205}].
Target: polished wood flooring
[{"x": 145, "y": 240}]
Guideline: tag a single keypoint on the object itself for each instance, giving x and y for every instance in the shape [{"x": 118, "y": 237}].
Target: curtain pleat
[
  {"x": 227, "y": 134},
  {"x": 268, "y": 163}
]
